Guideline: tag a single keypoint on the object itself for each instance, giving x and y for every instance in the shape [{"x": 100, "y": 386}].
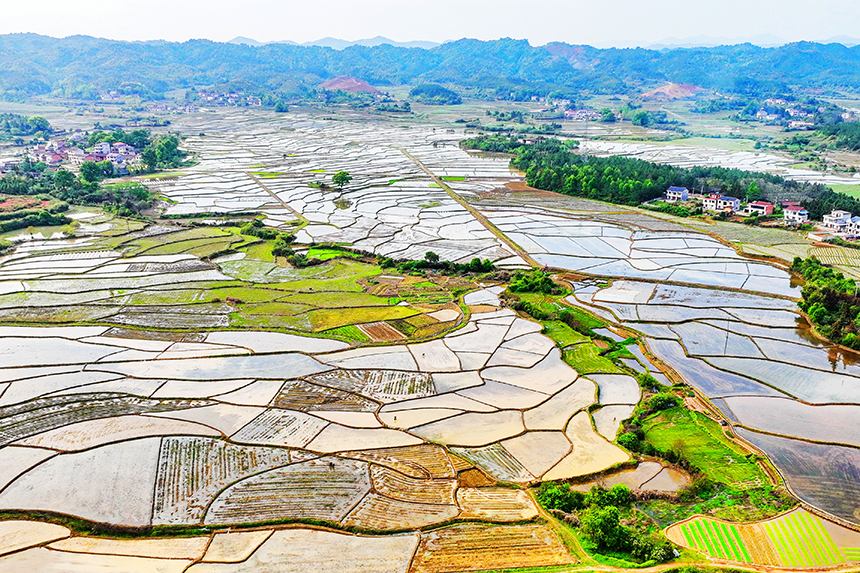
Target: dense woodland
[
  {"x": 81, "y": 66},
  {"x": 552, "y": 165}
]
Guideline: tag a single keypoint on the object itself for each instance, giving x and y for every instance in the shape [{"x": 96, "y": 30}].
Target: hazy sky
[{"x": 596, "y": 22}]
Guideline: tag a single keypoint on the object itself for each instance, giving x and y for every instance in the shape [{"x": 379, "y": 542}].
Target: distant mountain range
[
  {"x": 762, "y": 41},
  {"x": 83, "y": 66},
  {"x": 337, "y": 44}
]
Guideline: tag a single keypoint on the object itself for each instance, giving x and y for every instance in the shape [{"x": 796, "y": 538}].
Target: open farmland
[{"x": 209, "y": 386}]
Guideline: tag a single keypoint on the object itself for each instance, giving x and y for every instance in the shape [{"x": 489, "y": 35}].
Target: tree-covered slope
[{"x": 81, "y": 66}]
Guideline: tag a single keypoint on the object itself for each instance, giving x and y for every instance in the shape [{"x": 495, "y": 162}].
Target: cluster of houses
[
  {"x": 792, "y": 213},
  {"x": 56, "y": 152},
  {"x": 793, "y": 115},
  {"x": 233, "y": 98},
  {"x": 582, "y": 114}
]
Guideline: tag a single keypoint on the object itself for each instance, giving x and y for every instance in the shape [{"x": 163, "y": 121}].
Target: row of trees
[{"x": 434, "y": 94}]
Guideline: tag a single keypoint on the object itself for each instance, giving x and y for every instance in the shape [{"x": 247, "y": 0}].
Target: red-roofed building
[{"x": 795, "y": 215}]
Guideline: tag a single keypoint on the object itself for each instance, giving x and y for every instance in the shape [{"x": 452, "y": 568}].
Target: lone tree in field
[{"x": 341, "y": 178}]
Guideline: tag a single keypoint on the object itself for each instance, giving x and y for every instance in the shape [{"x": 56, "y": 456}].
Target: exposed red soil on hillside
[
  {"x": 673, "y": 91},
  {"x": 348, "y": 84}
]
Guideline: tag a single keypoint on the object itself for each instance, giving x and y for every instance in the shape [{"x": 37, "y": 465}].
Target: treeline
[
  {"x": 433, "y": 262},
  {"x": 493, "y": 143},
  {"x": 505, "y": 143},
  {"x": 28, "y": 218},
  {"x": 550, "y": 165},
  {"x": 598, "y": 516},
  {"x": 831, "y": 302}
]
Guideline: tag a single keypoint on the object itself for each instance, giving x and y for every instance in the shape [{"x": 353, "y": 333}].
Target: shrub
[
  {"x": 663, "y": 401},
  {"x": 560, "y": 497},
  {"x": 534, "y": 281},
  {"x": 629, "y": 442}
]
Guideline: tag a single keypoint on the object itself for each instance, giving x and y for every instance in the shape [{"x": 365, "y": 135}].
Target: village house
[
  {"x": 76, "y": 156},
  {"x": 795, "y": 215},
  {"x": 677, "y": 194},
  {"x": 102, "y": 148},
  {"x": 837, "y": 221},
  {"x": 760, "y": 208},
  {"x": 714, "y": 202}
]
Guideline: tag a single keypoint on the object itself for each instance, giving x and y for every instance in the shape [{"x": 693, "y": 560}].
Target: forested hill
[{"x": 81, "y": 66}]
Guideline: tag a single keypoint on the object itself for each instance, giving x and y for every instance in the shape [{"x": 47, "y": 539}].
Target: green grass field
[
  {"x": 562, "y": 334},
  {"x": 324, "y": 254},
  {"x": 586, "y": 359},
  {"x": 703, "y": 443},
  {"x": 852, "y": 190}
]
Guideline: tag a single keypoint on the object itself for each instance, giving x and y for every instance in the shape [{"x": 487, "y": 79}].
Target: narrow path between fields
[
  {"x": 276, "y": 198},
  {"x": 474, "y": 212}
]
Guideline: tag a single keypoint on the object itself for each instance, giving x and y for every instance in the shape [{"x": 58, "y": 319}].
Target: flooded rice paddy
[{"x": 185, "y": 419}]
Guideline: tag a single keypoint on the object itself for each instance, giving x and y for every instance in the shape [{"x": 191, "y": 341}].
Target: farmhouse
[
  {"x": 714, "y": 202},
  {"x": 677, "y": 194},
  {"x": 795, "y": 214},
  {"x": 837, "y": 221},
  {"x": 760, "y": 208}
]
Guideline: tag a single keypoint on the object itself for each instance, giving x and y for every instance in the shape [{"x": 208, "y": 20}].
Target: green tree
[
  {"x": 341, "y": 178},
  {"x": 281, "y": 107},
  {"x": 91, "y": 172},
  {"x": 663, "y": 401},
  {"x": 149, "y": 158},
  {"x": 39, "y": 124},
  {"x": 603, "y": 526},
  {"x": 642, "y": 118},
  {"x": 167, "y": 149},
  {"x": 431, "y": 257},
  {"x": 753, "y": 192},
  {"x": 560, "y": 496},
  {"x": 64, "y": 181}
]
